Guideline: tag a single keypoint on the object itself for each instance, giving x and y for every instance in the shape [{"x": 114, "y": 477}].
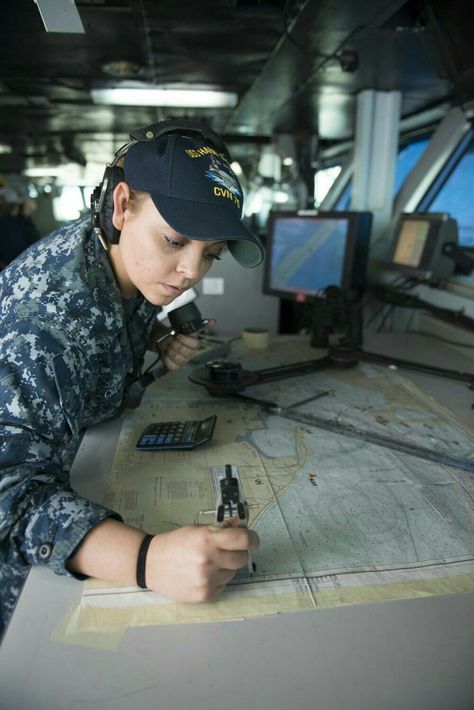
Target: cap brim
[{"x": 204, "y": 222}]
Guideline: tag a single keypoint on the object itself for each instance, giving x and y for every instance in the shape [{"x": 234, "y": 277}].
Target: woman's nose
[{"x": 189, "y": 264}]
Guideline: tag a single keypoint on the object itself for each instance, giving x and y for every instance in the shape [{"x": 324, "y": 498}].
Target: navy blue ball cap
[{"x": 195, "y": 190}]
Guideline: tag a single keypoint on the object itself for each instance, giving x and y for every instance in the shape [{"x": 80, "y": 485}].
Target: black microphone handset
[{"x": 184, "y": 320}]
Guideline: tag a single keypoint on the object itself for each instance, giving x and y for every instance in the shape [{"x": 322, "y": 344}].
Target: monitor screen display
[
  {"x": 309, "y": 252},
  {"x": 411, "y": 242},
  {"x": 418, "y": 245}
]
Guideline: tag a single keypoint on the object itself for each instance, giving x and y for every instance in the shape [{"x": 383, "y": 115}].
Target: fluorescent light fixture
[
  {"x": 68, "y": 174},
  {"x": 137, "y": 94},
  {"x": 60, "y": 16},
  {"x": 44, "y": 171}
]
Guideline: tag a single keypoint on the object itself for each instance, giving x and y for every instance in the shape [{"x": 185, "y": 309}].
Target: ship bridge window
[
  {"x": 452, "y": 191},
  {"x": 408, "y": 155}
]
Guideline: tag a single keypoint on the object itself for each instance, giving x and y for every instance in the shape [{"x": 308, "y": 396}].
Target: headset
[{"x": 102, "y": 203}]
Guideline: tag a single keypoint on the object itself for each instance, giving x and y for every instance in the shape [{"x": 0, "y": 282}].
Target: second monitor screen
[{"x": 411, "y": 242}]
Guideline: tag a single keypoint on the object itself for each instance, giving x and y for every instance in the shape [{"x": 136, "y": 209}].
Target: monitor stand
[
  {"x": 345, "y": 311},
  {"x": 222, "y": 378},
  {"x": 340, "y": 311}
]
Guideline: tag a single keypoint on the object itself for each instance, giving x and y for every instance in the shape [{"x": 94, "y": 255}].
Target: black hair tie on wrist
[{"x": 141, "y": 561}]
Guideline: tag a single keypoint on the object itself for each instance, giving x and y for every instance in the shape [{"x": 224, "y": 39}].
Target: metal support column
[{"x": 376, "y": 143}]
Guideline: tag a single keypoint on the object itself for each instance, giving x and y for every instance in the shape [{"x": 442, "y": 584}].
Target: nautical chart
[
  {"x": 322, "y": 503},
  {"x": 334, "y": 513}
]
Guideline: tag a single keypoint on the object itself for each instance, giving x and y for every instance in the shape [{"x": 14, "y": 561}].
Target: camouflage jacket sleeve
[
  {"x": 42, "y": 520},
  {"x": 68, "y": 343}
]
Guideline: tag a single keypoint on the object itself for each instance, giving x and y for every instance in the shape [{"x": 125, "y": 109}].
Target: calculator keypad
[{"x": 179, "y": 434}]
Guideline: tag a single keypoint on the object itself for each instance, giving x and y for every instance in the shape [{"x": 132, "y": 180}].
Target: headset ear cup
[{"x": 113, "y": 176}]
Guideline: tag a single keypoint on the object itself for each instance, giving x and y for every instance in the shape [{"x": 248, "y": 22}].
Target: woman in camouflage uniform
[{"x": 77, "y": 310}]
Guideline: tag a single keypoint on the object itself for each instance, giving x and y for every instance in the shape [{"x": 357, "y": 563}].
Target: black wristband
[{"x": 141, "y": 561}]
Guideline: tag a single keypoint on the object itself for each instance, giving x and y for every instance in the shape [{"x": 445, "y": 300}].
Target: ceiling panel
[{"x": 285, "y": 58}]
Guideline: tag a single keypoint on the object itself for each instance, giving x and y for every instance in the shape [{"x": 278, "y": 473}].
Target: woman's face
[{"x": 151, "y": 257}]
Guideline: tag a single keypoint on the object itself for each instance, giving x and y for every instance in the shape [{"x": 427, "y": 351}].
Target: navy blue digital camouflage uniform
[{"x": 67, "y": 343}]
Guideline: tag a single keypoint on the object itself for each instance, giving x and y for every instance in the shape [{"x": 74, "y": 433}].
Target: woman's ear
[{"x": 121, "y": 197}]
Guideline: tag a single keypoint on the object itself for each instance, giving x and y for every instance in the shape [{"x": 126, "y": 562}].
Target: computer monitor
[
  {"x": 419, "y": 245},
  {"x": 309, "y": 251}
]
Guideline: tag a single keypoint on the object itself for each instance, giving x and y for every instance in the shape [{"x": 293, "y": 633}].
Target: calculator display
[{"x": 160, "y": 436}]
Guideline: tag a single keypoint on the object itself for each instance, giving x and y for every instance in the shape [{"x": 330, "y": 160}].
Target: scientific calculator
[{"x": 160, "y": 436}]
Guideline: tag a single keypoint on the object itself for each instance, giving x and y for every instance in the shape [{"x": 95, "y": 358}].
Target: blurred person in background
[{"x": 17, "y": 231}]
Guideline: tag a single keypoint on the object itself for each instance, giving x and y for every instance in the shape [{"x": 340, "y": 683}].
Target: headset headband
[{"x": 183, "y": 126}]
